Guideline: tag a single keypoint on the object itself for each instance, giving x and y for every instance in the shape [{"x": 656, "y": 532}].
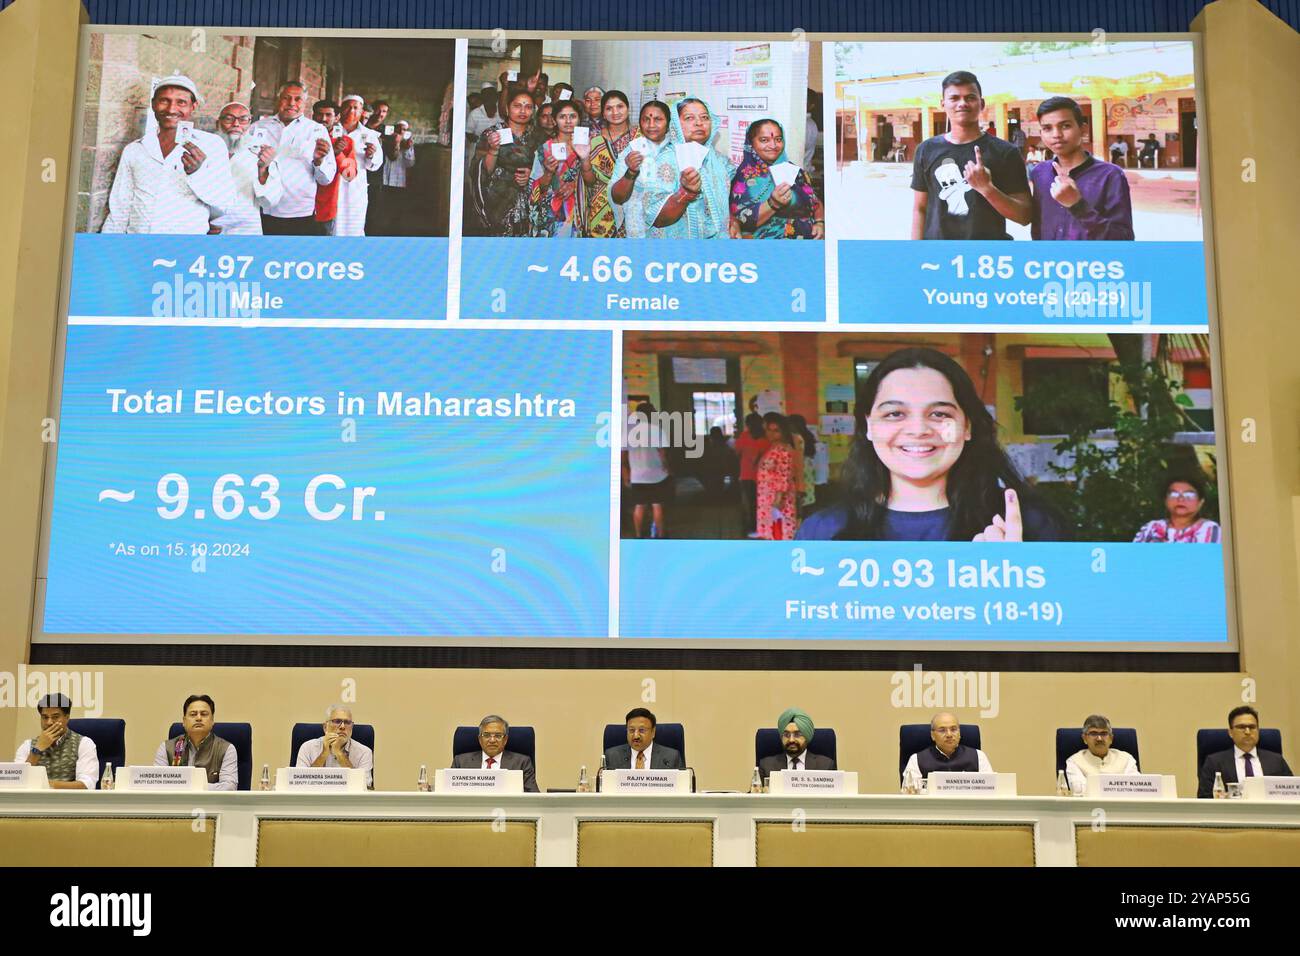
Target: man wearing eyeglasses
[
  {"x": 641, "y": 752},
  {"x": 253, "y": 170},
  {"x": 336, "y": 748},
  {"x": 1098, "y": 756},
  {"x": 493, "y": 732},
  {"x": 948, "y": 754},
  {"x": 796, "y": 730},
  {"x": 1245, "y": 759}
]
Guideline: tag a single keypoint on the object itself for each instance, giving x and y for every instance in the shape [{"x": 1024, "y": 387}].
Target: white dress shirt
[
  {"x": 1238, "y": 754},
  {"x": 496, "y": 761},
  {"x": 915, "y": 767},
  {"x": 395, "y": 169},
  {"x": 251, "y": 196},
  {"x": 1082, "y": 765},
  {"x": 359, "y": 755},
  {"x": 632, "y": 757},
  {"x": 796, "y": 763},
  {"x": 354, "y": 194},
  {"x": 87, "y": 772},
  {"x": 229, "y": 778},
  {"x": 295, "y": 149},
  {"x": 152, "y": 193}
]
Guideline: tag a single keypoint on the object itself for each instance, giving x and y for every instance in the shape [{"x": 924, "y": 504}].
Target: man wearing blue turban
[{"x": 796, "y": 730}]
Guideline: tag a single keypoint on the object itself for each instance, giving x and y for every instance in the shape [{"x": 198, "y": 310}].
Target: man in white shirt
[
  {"x": 480, "y": 119},
  {"x": 253, "y": 169},
  {"x": 69, "y": 758},
  {"x": 175, "y": 178},
  {"x": 947, "y": 754},
  {"x": 198, "y": 746},
  {"x": 306, "y": 161},
  {"x": 1098, "y": 756},
  {"x": 646, "y": 475},
  {"x": 336, "y": 748}
]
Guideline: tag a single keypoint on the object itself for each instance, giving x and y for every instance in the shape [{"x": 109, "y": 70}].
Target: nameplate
[
  {"x": 321, "y": 779},
  {"x": 23, "y": 776},
  {"x": 162, "y": 778},
  {"x": 478, "y": 781},
  {"x": 1152, "y": 786},
  {"x": 828, "y": 782},
  {"x": 971, "y": 785},
  {"x": 646, "y": 781},
  {"x": 1268, "y": 788}
]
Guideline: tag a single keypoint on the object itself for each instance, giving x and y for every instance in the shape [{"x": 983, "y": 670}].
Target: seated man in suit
[
  {"x": 198, "y": 746},
  {"x": 1244, "y": 759},
  {"x": 69, "y": 758},
  {"x": 796, "y": 730},
  {"x": 1098, "y": 756},
  {"x": 640, "y": 752},
  {"x": 949, "y": 754},
  {"x": 336, "y": 748},
  {"x": 493, "y": 732}
]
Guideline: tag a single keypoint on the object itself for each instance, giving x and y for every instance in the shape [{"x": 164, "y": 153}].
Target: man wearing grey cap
[
  {"x": 69, "y": 759},
  {"x": 796, "y": 730},
  {"x": 176, "y": 178}
]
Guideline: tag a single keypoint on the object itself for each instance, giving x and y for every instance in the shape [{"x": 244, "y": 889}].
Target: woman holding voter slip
[
  {"x": 604, "y": 218},
  {"x": 925, "y": 464},
  {"x": 502, "y": 168},
  {"x": 770, "y": 196},
  {"x": 557, "y": 194},
  {"x": 643, "y": 161},
  {"x": 691, "y": 202}
]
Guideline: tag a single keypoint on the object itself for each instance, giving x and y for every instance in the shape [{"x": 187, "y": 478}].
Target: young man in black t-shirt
[{"x": 966, "y": 183}]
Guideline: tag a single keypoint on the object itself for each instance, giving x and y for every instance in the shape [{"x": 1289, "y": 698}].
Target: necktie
[
  {"x": 1250, "y": 765},
  {"x": 491, "y": 761},
  {"x": 794, "y": 764},
  {"x": 640, "y": 760}
]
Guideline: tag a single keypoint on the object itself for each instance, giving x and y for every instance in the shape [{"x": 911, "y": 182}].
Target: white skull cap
[{"x": 177, "y": 79}]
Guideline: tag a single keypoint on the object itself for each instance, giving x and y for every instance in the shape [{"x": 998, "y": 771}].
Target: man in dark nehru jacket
[{"x": 948, "y": 754}]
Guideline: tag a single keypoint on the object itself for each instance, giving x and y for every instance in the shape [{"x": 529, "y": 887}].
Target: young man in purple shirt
[{"x": 1077, "y": 195}]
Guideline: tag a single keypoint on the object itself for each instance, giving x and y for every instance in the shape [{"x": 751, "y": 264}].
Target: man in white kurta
[
  {"x": 169, "y": 181},
  {"x": 1098, "y": 756},
  {"x": 254, "y": 171},
  {"x": 302, "y": 149},
  {"x": 354, "y": 194}
]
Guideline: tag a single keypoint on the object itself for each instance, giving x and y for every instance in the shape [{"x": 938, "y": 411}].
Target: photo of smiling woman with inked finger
[
  {"x": 770, "y": 196},
  {"x": 925, "y": 464}
]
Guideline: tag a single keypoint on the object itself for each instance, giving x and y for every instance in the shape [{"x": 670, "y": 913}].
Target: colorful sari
[
  {"x": 605, "y": 217},
  {"x": 502, "y": 206},
  {"x": 555, "y": 216},
  {"x": 654, "y": 167},
  {"x": 707, "y": 216},
  {"x": 751, "y": 187}
]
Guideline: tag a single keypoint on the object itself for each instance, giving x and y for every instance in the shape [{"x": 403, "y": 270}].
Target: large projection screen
[{"x": 527, "y": 373}]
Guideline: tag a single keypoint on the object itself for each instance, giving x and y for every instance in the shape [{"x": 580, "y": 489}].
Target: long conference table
[{"x": 296, "y": 828}]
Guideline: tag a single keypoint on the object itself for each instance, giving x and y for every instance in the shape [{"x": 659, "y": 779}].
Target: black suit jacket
[
  {"x": 509, "y": 760},
  {"x": 1224, "y": 762},
  {"x": 811, "y": 761},
  {"x": 661, "y": 758}
]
